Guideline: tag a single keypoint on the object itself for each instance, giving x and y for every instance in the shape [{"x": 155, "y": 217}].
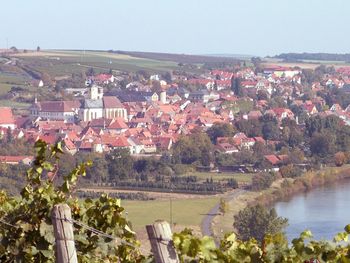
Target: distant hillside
[
  {"x": 314, "y": 56},
  {"x": 179, "y": 58}
]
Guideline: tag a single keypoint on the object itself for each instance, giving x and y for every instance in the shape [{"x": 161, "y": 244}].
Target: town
[
  {"x": 174, "y": 131},
  {"x": 246, "y": 111}
]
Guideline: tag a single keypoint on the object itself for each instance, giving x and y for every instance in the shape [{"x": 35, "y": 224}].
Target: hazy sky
[{"x": 255, "y": 27}]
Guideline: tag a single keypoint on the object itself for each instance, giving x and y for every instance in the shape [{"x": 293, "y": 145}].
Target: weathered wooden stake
[
  {"x": 64, "y": 236},
  {"x": 162, "y": 245}
]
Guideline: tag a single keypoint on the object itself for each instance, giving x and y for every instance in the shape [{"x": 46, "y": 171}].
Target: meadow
[
  {"x": 185, "y": 212},
  {"x": 57, "y": 63}
]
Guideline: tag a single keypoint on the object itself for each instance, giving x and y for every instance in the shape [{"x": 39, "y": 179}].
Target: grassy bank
[{"x": 279, "y": 190}]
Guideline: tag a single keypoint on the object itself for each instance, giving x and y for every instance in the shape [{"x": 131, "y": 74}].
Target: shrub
[{"x": 262, "y": 181}]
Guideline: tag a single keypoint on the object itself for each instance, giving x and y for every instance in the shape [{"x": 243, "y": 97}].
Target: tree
[
  {"x": 257, "y": 221},
  {"x": 262, "y": 181},
  {"x": 120, "y": 164},
  {"x": 290, "y": 171},
  {"x": 322, "y": 144},
  {"x": 236, "y": 87},
  {"x": 167, "y": 76},
  {"x": 270, "y": 130},
  {"x": 339, "y": 158},
  {"x": 223, "y": 206},
  {"x": 98, "y": 171},
  {"x": 90, "y": 72},
  {"x": 196, "y": 147},
  {"x": 38, "y": 49},
  {"x": 220, "y": 130},
  {"x": 185, "y": 151}
]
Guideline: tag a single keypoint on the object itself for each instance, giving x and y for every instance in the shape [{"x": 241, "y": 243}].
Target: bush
[
  {"x": 290, "y": 171},
  {"x": 180, "y": 169},
  {"x": 262, "y": 181}
]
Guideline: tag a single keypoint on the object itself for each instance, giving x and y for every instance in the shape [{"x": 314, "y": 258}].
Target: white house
[
  {"x": 6, "y": 118},
  {"x": 55, "y": 110}
]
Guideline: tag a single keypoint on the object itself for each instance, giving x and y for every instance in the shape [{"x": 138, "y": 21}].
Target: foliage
[
  {"x": 257, "y": 221},
  {"x": 196, "y": 147},
  {"x": 262, "y": 181},
  {"x": 120, "y": 164},
  {"x": 273, "y": 248},
  {"x": 29, "y": 235},
  {"x": 340, "y": 158},
  {"x": 290, "y": 171},
  {"x": 223, "y": 206},
  {"x": 322, "y": 144},
  {"x": 220, "y": 130}
]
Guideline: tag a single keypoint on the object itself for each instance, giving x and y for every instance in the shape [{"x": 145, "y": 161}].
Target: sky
[{"x": 249, "y": 27}]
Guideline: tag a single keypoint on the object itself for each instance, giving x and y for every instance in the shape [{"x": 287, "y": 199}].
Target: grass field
[
  {"x": 186, "y": 212},
  {"x": 58, "y": 63},
  {"x": 305, "y": 64},
  {"x": 9, "y": 80}
]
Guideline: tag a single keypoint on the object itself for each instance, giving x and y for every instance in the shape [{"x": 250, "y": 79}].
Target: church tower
[{"x": 96, "y": 92}]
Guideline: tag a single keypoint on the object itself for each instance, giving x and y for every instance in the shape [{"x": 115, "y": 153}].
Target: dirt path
[{"x": 207, "y": 221}]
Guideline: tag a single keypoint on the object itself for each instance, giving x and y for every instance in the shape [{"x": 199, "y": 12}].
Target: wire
[
  {"x": 92, "y": 230},
  {"x": 8, "y": 224},
  {"x": 100, "y": 233}
]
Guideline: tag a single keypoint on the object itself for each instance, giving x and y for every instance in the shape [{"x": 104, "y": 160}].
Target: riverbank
[{"x": 279, "y": 190}]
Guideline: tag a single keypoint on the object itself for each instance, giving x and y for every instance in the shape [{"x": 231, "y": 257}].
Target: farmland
[
  {"x": 57, "y": 63},
  {"x": 185, "y": 212}
]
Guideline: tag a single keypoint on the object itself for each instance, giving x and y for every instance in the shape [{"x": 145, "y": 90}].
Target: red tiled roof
[
  {"x": 14, "y": 159},
  {"x": 58, "y": 106},
  {"x": 118, "y": 123},
  {"x": 112, "y": 102},
  {"x": 6, "y": 116}
]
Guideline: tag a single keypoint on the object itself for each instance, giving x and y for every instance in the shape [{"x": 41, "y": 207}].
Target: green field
[
  {"x": 186, "y": 212},
  {"x": 57, "y": 63}
]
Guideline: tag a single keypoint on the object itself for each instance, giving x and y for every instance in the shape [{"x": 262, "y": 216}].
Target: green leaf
[
  {"x": 343, "y": 236},
  {"x": 127, "y": 228},
  {"x": 47, "y": 232},
  {"x": 306, "y": 234},
  {"x": 347, "y": 229}
]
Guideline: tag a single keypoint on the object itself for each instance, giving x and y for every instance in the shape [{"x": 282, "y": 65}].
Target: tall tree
[
  {"x": 120, "y": 164},
  {"x": 220, "y": 130},
  {"x": 257, "y": 221}
]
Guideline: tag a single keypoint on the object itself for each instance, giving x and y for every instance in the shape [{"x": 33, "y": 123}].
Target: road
[{"x": 206, "y": 222}]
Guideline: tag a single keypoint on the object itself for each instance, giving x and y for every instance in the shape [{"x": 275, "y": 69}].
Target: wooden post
[
  {"x": 64, "y": 236},
  {"x": 162, "y": 245}
]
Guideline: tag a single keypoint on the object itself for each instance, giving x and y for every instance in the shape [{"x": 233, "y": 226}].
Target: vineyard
[{"x": 103, "y": 234}]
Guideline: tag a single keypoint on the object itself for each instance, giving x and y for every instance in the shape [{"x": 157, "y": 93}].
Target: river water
[{"x": 325, "y": 211}]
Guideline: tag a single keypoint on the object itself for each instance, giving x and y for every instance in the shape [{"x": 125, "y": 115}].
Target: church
[{"x": 96, "y": 106}]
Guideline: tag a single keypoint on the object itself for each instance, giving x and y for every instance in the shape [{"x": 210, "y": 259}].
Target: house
[
  {"x": 26, "y": 160},
  {"x": 136, "y": 96},
  {"x": 7, "y": 119},
  {"x": 226, "y": 147},
  {"x": 310, "y": 109},
  {"x": 104, "y": 79},
  {"x": 276, "y": 160},
  {"x": 55, "y": 110},
  {"x": 136, "y": 147},
  {"x": 280, "y": 113},
  {"x": 199, "y": 96},
  {"x": 208, "y": 83}
]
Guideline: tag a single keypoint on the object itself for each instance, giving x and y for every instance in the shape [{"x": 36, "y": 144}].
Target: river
[{"x": 325, "y": 211}]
